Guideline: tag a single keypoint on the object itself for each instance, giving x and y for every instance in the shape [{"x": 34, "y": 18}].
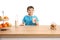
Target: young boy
[{"x": 30, "y": 19}]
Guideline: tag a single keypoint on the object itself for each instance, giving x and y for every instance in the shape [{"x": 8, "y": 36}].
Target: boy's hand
[
  {"x": 37, "y": 24},
  {"x": 22, "y": 24}
]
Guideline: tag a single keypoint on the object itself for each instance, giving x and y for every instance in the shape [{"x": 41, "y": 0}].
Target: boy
[{"x": 30, "y": 19}]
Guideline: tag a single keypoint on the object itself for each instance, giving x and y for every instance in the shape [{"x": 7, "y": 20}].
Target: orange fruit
[
  {"x": 7, "y": 23},
  {"x": 4, "y": 25},
  {"x": 0, "y": 26}
]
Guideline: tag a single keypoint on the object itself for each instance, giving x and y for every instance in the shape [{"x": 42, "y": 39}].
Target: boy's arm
[{"x": 37, "y": 24}]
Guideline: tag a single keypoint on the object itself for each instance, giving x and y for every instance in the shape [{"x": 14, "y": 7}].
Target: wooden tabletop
[{"x": 31, "y": 31}]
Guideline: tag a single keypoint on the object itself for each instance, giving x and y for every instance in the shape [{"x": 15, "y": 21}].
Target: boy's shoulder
[{"x": 25, "y": 16}]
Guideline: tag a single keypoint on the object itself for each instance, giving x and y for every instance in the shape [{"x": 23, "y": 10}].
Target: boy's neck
[{"x": 30, "y": 15}]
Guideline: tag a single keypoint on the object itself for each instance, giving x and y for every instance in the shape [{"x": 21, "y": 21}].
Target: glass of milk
[{"x": 34, "y": 20}]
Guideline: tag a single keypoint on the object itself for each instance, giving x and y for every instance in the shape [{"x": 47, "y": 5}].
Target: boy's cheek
[{"x": 30, "y": 11}]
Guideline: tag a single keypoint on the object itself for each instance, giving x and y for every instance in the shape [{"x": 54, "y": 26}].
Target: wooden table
[{"x": 31, "y": 31}]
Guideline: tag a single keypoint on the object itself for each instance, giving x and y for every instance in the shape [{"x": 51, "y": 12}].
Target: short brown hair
[{"x": 30, "y": 7}]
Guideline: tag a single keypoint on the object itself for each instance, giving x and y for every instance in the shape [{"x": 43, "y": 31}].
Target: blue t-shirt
[{"x": 28, "y": 20}]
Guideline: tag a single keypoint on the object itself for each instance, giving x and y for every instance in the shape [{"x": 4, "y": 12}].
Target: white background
[{"x": 47, "y": 11}]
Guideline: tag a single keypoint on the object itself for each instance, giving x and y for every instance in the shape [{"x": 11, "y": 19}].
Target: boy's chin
[{"x": 30, "y": 14}]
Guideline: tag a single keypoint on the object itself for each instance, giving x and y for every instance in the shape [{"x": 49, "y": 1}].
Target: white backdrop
[{"x": 47, "y": 11}]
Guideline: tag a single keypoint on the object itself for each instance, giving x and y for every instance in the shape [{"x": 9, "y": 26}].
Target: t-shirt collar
[{"x": 28, "y": 15}]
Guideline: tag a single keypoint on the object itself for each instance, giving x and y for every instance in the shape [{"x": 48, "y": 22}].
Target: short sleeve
[
  {"x": 37, "y": 19},
  {"x": 23, "y": 20}
]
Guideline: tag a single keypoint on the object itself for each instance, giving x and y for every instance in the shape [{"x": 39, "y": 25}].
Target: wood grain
[{"x": 31, "y": 31}]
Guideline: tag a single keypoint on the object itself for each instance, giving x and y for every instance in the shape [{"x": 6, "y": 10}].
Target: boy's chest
[{"x": 28, "y": 19}]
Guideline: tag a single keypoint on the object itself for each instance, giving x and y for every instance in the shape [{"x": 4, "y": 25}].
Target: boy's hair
[{"x": 30, "y": 7}]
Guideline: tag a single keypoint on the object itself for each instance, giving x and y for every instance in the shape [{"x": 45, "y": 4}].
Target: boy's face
[{"x": 30, "y": 11}]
